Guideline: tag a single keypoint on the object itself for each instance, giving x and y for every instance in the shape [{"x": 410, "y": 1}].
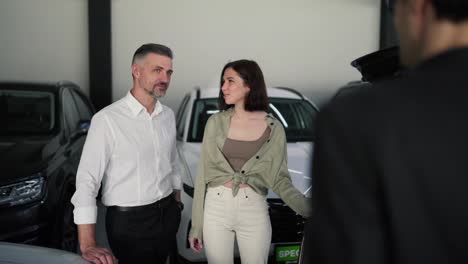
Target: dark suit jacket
[{"x": 390, "y": 176}]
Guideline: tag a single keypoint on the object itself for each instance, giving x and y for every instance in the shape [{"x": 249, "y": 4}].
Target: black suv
[{"x": 42, "y": 132}]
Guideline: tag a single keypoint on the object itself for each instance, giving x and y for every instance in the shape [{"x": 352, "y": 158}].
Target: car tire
[
  {"x": 67, "y": 230},
  {"x": 179, "y": 260}
]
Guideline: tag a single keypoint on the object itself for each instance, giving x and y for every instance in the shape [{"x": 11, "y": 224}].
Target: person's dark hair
[
  {"x": 454, "y": 10},
  {"x": 251, "y": 74},
  {"x": 145, "y": 49}
]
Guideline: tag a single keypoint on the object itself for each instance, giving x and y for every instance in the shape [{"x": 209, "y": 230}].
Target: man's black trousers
[{"x": 143, "y": 234}]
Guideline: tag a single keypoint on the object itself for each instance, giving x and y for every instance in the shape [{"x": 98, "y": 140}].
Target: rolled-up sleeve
[
  {"x": 282, "y": 183},
  {"x": 200, "y": 185},
  {"x": 175, "y": 176},
  {"x": 176, "y": 167},
  {"x": 94, "y": 159}
]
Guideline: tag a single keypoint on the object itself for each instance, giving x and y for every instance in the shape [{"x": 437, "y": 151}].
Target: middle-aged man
[
  {"x": 391, "y": 162},
  {"x": 130, "y": 148}
]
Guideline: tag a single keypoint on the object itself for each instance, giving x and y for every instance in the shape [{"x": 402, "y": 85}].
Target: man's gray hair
[{"x": 145, "y": 49}]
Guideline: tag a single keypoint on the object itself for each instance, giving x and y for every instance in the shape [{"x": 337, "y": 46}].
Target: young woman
[{"x": 243, "y": 155}]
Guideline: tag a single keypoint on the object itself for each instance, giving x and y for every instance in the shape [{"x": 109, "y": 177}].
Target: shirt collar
[
  {"x": 136, "y": 107},
  {"x": 226, "y": 120},
  {"x": 269, "y": 117}
]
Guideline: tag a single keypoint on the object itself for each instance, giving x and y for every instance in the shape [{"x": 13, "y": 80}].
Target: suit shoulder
[{"x": 366, "y": 96}]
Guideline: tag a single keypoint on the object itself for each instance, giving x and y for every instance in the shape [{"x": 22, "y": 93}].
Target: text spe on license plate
[{"x": 287, "y": 252}]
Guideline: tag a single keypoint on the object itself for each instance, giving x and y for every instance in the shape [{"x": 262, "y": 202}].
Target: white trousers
[{"x": 244, "y": 218}]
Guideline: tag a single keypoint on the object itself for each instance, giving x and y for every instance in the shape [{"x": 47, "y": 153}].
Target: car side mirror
[{"x": 82, "y": 129}]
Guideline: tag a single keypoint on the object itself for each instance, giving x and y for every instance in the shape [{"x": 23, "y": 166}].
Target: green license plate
[{"x": 287, "y": 253}]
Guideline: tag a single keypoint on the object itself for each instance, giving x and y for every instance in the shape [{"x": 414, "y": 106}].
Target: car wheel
[
  {"x": 67, "y": 229},
  {"x": 178, "y": 259}
]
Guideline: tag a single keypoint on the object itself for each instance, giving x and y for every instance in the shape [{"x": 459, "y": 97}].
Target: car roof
[
  {"x": 42, "y": 86},
  {"x": 273, "y": 92}
]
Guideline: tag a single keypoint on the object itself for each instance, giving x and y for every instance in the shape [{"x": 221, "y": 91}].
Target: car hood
[
  {"x": 22, "y": 158},
  {"x": 299, "y": 167},
  {"x": 25, "y": 254},
  {"x": 299, "y": 164}
]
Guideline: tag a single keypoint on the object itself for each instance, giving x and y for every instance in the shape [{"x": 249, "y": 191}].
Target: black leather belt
[{"x": 162, "y": 203}]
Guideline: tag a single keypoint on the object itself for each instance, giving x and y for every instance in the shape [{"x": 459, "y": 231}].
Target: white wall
[
  {"x": 304, "y": 44},
  {"x": 44, "y": 40}
]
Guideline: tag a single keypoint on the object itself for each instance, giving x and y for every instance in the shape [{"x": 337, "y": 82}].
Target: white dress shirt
[{"x": 132, "y": 153}]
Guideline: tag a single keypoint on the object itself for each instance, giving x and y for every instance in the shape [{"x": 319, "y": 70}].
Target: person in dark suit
[{"x": 391, "y": 160}]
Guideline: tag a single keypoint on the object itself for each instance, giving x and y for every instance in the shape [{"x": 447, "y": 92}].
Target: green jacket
[{"x": 268, "y": 169}]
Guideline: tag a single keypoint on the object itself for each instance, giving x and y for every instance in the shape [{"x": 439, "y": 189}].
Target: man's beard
[{"x": 156, "y": 94}]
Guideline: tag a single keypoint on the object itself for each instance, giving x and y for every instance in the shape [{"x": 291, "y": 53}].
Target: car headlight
[{"x": 22, "y": 192}]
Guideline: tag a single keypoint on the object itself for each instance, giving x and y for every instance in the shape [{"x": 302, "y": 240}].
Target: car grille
[{"x": 287, "y": 226}]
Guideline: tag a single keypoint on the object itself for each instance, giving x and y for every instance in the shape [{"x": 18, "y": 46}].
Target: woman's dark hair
[
  {"x": 251, "y": 74},
  {"x": 454, "y": 10}
]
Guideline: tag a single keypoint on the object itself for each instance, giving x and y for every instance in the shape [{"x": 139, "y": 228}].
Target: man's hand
[
  {"x": 98, "y": 255},
  {"x": 196, "y": 244},
  {"x": 177, "y": 195},
  {"x": 89, "y": 250}
]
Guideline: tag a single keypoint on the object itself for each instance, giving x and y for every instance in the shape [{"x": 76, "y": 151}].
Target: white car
[{"x": 297, "y": 114}]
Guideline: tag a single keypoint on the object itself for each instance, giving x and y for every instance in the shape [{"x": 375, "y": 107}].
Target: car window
[
  {"x": 70, "y": 111},
  {"x": 182, "y": 106},
  {"x": 297, "y": 117},
  {"x": 202, "y": 110},
  {"x": 181, "y": 117},
  {"x": 84, "y": 110},
  {"x": 26, "y": 112}
]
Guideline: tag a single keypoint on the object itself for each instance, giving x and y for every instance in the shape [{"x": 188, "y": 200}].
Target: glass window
[
  {"x": 26, "y": 112},
  {"x": 182, "y": 108},
  {"x": 296, "y": 116},
  {"x": 84, "y": 108},
  {"x": 70, "y": 112},
  {"x": 202, "y": 110},
  {"x": 181, "y": 117}
]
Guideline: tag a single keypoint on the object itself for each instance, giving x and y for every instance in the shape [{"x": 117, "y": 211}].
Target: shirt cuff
[
  {"x": 85, "y": 215},
  {"x": 177, "y": 184},
  {"x": 196, "y": 233}
]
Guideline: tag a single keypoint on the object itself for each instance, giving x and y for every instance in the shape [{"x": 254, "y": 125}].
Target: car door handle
[{"x": 67, "y": 153}]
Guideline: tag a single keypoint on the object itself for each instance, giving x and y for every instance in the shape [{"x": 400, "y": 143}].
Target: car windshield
[
  {"x": 26, "y": 112},
  {"x": 297, "y": 117}
]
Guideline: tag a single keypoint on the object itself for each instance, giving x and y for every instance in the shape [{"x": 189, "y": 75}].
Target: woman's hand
[{"x": 196, "y": 244}]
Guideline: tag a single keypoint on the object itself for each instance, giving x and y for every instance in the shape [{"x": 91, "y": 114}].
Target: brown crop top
[{"x": 238, "y": 152}]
